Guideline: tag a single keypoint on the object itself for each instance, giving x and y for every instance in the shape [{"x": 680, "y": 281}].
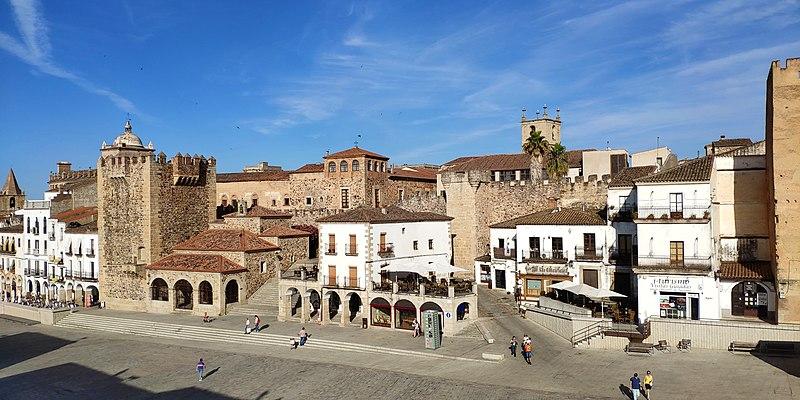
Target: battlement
[
  {"x": 790, "y": 63},
  {"x": 63, "y": 176},
  {"x": 785, "y": 74},
  {"x": 189, "y": 170}
]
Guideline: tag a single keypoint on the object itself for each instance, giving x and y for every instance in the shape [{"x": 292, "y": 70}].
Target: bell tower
[{"x": 548, "y": 125}]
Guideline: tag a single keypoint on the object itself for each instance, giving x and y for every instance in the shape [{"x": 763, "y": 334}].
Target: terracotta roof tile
[
  {"x": 226, "y": 177},
  {"x": 284, "y": 232},
  {"x": 506, "y": 162},
  {"x": 355, "y": 152},
  {"x": 377, "y": 216},
  {"x": 76, "y": 214},
  {"x": 259, "y": 212},
  {"x": 90, "y": 227},
  {"x": 308, "y": 168},
  {"x": 411, "y": 173},
  {"x": 626, "y": 177},
  {"x": 575, "y": 157},
  {"x": 750, "y": 270},
  {"x": 238, "y": 240},
  {"x": 734, "y": 142},
  {"x": 458, "y": 160},
  {"x": 696, "y": 170},
  {"x": 556, "y": 216},
  {"x": 12, "y": 229},
  {"x": 197, "y": 263}
]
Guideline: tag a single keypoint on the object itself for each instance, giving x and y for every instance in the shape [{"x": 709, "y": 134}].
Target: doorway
[
  {"x": 500, "y": 278},
  {"x": 591, "y": 277}
]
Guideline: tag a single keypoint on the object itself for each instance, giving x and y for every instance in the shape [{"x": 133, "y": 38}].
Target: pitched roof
[
  {"x": 696, "y": 170},
  {"x": 734, "y": 142},
  {"x": 197, "y": 263},
  {"x": 556, "y": 216},
  {"x": 492, "y": 162},
  {"x": 458, "y": 160},
  {"x": 386, "y": 215},
  {"x": 308, "y": 168},
  {"x": 284, "y": 232},
  {"x": 259, "y": 212},
  {"x": 755, "y": 149},
  {"x": 11, "y": 187},
  {"x": 226, "y": 177},
  {"x": 626, "y": 177},
  {"x": 90, "y": 227},
  {"x": 76, "y": 214},
  {"x": 751, "y": 270},
  {"x": 414, "y": 173},
  {"x": 12, "y": 229},
  {"x": 238, "y": 240},
  {"x": 355, "y": 152}
]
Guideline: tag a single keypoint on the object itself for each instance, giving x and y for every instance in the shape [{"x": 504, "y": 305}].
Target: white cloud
[{"x": 34, "y": 49}]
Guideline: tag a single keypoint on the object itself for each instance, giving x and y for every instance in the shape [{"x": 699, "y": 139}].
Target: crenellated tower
[{"x": 550, "y": 126}]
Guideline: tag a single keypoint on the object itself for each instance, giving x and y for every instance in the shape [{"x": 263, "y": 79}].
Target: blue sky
[{"x": 421, "y": 81}]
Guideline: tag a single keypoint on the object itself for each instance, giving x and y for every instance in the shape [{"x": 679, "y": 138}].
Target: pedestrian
[
  {"x": 201, "y": 369},
  {"x": 513, "y": 346},
  {"x": 526, "y": 352},
  {"x": 303, "y": 336},
  {"x": 415, "y": 327},
  {"x": 257, "y": 321},
  {"x": 206, "y": 318},
  {"x": 636, "y": 386},
  {"x": 648, "y": 384},
  {"x": 247, "y": 326},
  {"x": 525, "y": 338},
  {"x": 292, "y": 344}
]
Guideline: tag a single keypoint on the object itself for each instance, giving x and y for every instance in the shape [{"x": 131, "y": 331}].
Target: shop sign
[
  {"x": 548, "y": 269},
  {"x": 674, "y": 284}
]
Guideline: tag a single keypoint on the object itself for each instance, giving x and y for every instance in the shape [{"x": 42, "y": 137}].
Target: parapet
[
  {"x": 189, "y": 170},
  {"x": 787, "y": 73}
]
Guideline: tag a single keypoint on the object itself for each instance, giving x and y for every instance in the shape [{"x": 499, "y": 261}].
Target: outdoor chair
[
  {"x": 685, "y": 344},
  {"x": 663, "y": 346}
]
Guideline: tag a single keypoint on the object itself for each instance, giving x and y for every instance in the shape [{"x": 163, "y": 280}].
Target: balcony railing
[
  {"x": 665, "y": 261},
  {"x": 300, "y": 274},
  {"x": 386, "y": 250},
  {"x": 537, "y": 256},
  {"x": 661, "y": 209},
  {"x": 589, "y": 253},
  {"x": 384, "y": 286},
  {"x": 344, "y": 282},
  {"x": 622, "y": 215},
  {"x": 505, "y": 253},
  {"x": 623, "y": 256},
  {"x": 330, "y": 251},
  {"x": 351, "y": 250}
]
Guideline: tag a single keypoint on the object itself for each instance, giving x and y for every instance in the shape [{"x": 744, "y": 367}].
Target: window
[
  {"x": 377, "y": 197},
  {"x": 331, "y": 166},
  {"x": 588, "y": 242},
  {"x": 345, "y": 198},
  {"x": 525, "y": 175},
  {"x": 309, "y": 200},
  {"x": 676, "y": 253},
  {"x": 352, "y": 250},
  {"x": 383, "y": 167},
  {"x": 501, "y": 243},
  {"x": 12, "y": 202},
  {"x": 343, "y": 166},
  {"x": 356, "y": 166},
  {"x": 44, "y": 225},
  {"x": 254, "y": 202},
  {"x": 400, "y": 194},
  {"x": 286, "y": 201},
  {"x": 659, "y": 161},
  {"x": 274, "y": 202},
  {"x": 206, "y": 294},
  {"x": 430, "y": 244},
  {"x": 369, "y": 165},
  {"x": 622, "y": 201},
  {"x": 382, "y": 245},
  {"x": 557, "y": 245},
  {"x": 507, "y": 176},
  {"x": 28, "y": 226},
  {"x": 331, "y": 244},
  {"x": 534, "y": 246},
  {"x": 676, "y": 205},
  {"x": 416, "y": 245},
  {"x": 263, "y": 265}
]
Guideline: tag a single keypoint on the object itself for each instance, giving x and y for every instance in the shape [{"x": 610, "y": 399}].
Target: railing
[
  {"x": 331, "y": 251},
  {"x": 623, "y": 257},
  {"x": 37, "y": 204},
  {"x": 535, "y": 255},
  {"x": 351, "y": 250},
  {"x": 90, "y": 253},
  {"x": 660, "y": 209},
  {"x": 383, "y": 286},
  {"x": 386, "y": 250},
  {"x": 51, "y": 237},
  {"x": 505, "y": 253},
  {"x": 344, "y": 282},
  {"x": 589, "y": 253},
  {"x": 588, "y": 332},
  {"x": 645, "y": 261},
  {"x": 299, "y": 274}
]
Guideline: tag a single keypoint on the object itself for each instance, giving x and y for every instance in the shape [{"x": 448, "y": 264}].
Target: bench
[
  {"x": 684, "y": 344},
  {"x": 644, "y": 348},
  {"x": 742, "y": 346},
  {"x": 777, "y": 349}
]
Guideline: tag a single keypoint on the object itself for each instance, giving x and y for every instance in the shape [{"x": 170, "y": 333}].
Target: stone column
[
  {"x": 422, "y": 289},
  {"x": 392, "y": 314},
  {"x": 305, "y": 298},
  {"x": 324, "y": 308},
  {"x": 344, "y": 311}
]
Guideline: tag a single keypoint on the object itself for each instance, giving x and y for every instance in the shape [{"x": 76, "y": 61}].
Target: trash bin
[{"x": 363, "y": 323}]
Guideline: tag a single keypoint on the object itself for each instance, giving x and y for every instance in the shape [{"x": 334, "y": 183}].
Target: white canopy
[
  {"x": 562, "y": 285},
  {"x": 422, "y": 268},
  {"x": 605, "y": 293},
  {"x": 581, "y": 289}
]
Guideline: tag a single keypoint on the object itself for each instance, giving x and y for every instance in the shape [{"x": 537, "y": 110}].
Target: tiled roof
[
  {"x": 76, "y": 214},
  {"x": 308, "y": 168},
  {"x": 409, "y": 173},
  {"x": 238, "y": 240},
  {"x": 226, "y": 177},
  {"x": 11, "y": 186},
  {"x": 378, "y": 216},
  {"x": 355, "y": 152},
  {"x": 458, "y": 160},
  {"x": 12, "y": 229},
  {"x": 735, "y": 142},
  {"x": 493, "y": 162},
  {"x": 575, "y": 157},
  {"x": 259, "y": 212},
  {"x": 556, "y": 216},
  {"x": 197, "y": 263},
  {"x": 284, "y": 232},
  {"x": 750, "y": 270},
  {"x": 90, "y": 227},
  {"x": 626, "y": 177},
  {"x": 755, "y": 149},
  {"x": 696, "y": 170}
]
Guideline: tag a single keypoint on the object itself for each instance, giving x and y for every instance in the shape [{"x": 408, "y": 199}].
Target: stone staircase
[
  {"x": 164, "y": 330},
  {"x": 263, "y": 302}
]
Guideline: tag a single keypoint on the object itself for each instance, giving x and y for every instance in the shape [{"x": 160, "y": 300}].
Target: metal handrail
[{"x": 588, "y": 332}]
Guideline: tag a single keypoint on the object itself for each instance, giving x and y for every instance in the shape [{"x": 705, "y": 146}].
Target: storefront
[
  {"x": 539, "y": 277},
  {"x": 677, "y": 296},
  {"x": 380, "y": 313}
]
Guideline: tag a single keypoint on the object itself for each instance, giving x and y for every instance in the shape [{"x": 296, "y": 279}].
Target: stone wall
[
  {"x": 432, "y": 203},
  {"x": 293, "y": 249},
  {"x": 719, "y": 334}
]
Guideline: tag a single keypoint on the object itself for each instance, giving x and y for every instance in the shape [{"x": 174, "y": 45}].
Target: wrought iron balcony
[
  {"x": 505, "y": 253},
  {"x": 667, "y": 262},
  {"x": 589, "y": 253},
  {"x": 386, "y": 250},
  {"x": 537, "y": 256}
]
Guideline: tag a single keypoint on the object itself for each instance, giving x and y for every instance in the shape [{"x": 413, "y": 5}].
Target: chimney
[{"x": 64, "y": 166}]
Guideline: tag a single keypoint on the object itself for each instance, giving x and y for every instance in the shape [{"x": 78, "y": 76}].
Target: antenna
[{"x": 358, "y": 138}]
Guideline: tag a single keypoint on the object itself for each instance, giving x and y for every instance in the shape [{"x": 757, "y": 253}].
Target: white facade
[
  {"x": 678, "y": 296},
  {"x": 10, "y": 272}
]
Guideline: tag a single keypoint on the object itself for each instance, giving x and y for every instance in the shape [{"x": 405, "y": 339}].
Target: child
[
  {"x": 292, "y": 344},
  {"x": 201, "y": 369}
]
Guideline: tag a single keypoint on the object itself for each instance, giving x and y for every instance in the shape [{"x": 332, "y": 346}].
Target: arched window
[
  {"x": 343, "y": 166},
  {"x": 356, "y": 166},
  {"x": 206, "y": 294},
  {"x": 369, "y": 165},
  {"x": 12, "y": 203},
  {"x": 331, "y": 166},
  {"x": 159, "y": 290}
]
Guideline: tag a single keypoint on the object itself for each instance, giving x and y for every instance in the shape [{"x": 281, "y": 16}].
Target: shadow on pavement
[
  {"x": 780, "y": 354},
  {"x": 23, "y": 346},
  {"x": 71, "y": 381},
  {"x": 626, "y": 391}
]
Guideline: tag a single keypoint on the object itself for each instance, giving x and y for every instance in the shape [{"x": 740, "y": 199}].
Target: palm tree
[
  {"x": 557, "y": 165},
  {"x": 536, "y": 146}
]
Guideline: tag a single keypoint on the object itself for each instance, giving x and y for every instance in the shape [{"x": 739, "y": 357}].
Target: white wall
[
  {"x": 653, "y": 241},
  {"x": 650, "y": 286},
  {"x": 572, "y": 236},
  {"x": 342, "y": 261},
  {"x": 654, "y": 198},
  {"x": 402, "y": 237}
]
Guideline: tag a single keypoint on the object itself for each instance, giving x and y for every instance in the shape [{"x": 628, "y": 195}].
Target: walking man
[
  {"x": 513, "y": 346},
  {"x": 648, "y": 384},
  {"x": 636, "y": 386},
  {"x": 526, "y": 352},
  {"x": 247, "y": 326},
  {"x": 257, "y": 322},
  {"x": 303, "y": 336},
  {"x": 201, "y": 369}
]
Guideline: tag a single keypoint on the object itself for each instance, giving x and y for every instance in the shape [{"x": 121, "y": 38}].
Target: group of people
[
  {"x": 303, "y": 335},
  {"x": 639, "y": 385},
  {"x": 527, "y": 347},
  {"x": 255, "y": 328}
]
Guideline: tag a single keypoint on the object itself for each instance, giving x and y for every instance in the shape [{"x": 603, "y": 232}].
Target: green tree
[
  {"x": 557, "y": 165},
  {"x": 536, "y": 146}
]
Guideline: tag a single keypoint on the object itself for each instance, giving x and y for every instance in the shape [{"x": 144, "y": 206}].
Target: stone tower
[
  {"x": 783, "y": 158},
  {"x": 549, "y": 126},
  {"x": 146, "y": 204},
  {"x": 12, "y": 198}
]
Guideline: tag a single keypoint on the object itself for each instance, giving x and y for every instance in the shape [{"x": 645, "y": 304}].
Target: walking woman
[{"x": 513, "y": 346}]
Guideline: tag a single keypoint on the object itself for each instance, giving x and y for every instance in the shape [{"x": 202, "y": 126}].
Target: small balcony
[
  {"x": 623, "y": 257},
  {"x": 589, "y": 253},
  {"x": 504, "y": 253},
  {"x": 667, "y": 262},
  {"x": 662, "y": 210},
  {"x": 342, "y": 282},
  {"x": 301, "y": 274},
  {"x": 351, "y": 251},
  {"x": 537, "y": 256},
  {"x": 386, "y": 250},
  {"x": 330, "y": 251}
]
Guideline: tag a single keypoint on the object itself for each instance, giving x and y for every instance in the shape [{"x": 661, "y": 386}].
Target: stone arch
[
  {"x": 380, "y": 312},
  {"x": 462, "y": 311},
  {"x": 295, "y": 301},
  {"x": 331, "y": 166},
  {"x": 744, "y": 300},
  {"x": 62, "y": 293},
  {"x": 38, "y": 288},
  {"x": 354, "y": 305},
  {"x": 205, "y": 292},
  {"x": 232, "y": 292},
  {"x": 159, "y": 290},
  {"x": 183, "y": 295},
  {"x": 70, "y": 292},
  {"x": 30, "y": 286},
  {"x": 80, "y": 295},
  {"x": 343, "y": 166},
  {"x": 405, "y": 312},
  {"x": 334, "y": 304},
  {"x": 315, "y": 301},
  {"x": 94, "y": 294}
]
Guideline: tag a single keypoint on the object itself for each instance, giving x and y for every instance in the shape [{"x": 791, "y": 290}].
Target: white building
[
  {"x": 10, "y": 273},
  {"x": 532, "y": 252}
]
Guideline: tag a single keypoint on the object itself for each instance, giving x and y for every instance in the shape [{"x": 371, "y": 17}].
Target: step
[{"x": 185, "y": 332}]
